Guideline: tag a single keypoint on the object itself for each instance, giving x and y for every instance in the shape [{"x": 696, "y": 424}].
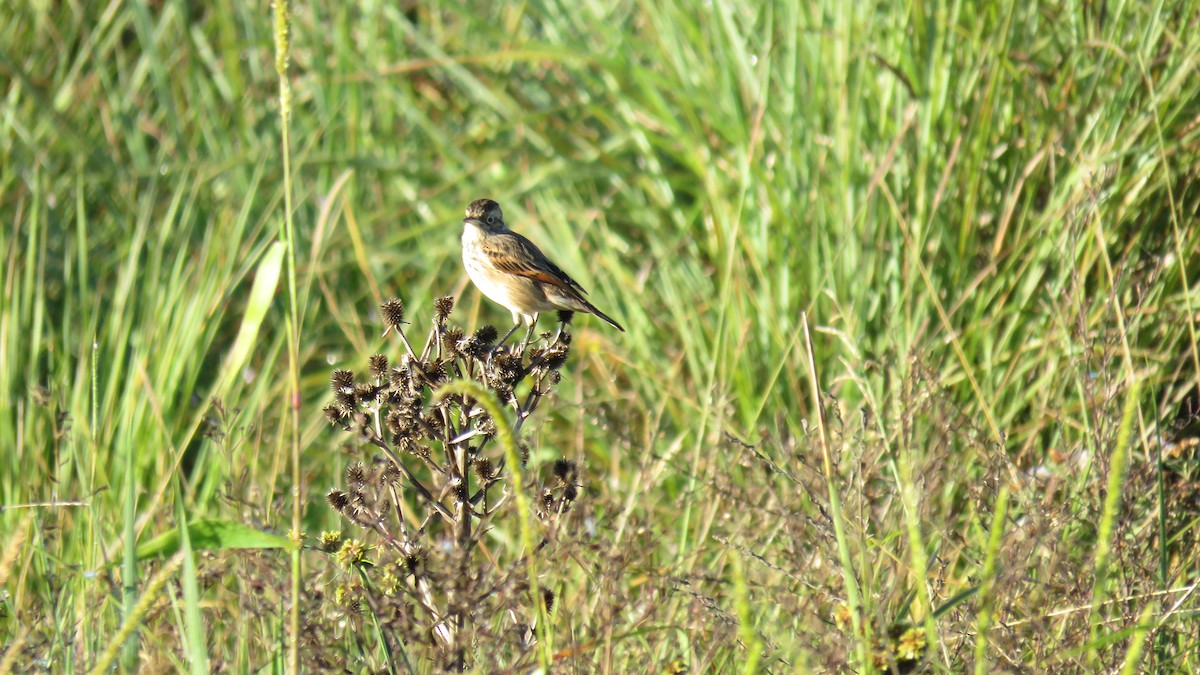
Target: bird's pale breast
[{"x": 520, "y": 295}]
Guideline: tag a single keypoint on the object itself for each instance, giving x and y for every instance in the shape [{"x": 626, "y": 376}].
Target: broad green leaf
[{"x": 211, "y": 535}]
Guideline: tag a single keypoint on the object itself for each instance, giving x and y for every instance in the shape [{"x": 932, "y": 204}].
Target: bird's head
[{"x": 486, "y": 215}]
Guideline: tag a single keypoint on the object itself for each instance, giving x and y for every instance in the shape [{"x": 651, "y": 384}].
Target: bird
[{"x": 514, "y": 273}]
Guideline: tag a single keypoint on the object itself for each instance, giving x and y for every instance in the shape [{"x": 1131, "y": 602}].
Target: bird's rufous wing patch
[{"x": 517, "y": 255}]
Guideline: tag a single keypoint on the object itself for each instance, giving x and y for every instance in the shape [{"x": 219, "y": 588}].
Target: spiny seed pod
[
  {"x": 524, "y": 448},
  {"x": 391, "y": 474},
  {"x": 484, "y": 469},
  {"x": 565, "y": 316},
  {"x": 397, "y": 422},
  {"x": 358, "y": 501},
  {"x": 392, "y": 312},
  {"x": 432, "y": 420},
  {"x": 336, "y": 415},
  {"x": 398, "y": 378},
  {"x": 338, "y": 500},
  {"x": 570, "y": 493},
  {"x": 437, "y": 374},
  {"x": 341, "y": 379},
  {"x": 554, "y": 358},
  {"x": 548, "y": 596},
  {"x": 442, "y": 308},
  {"x": 565, "y": 470},
  {"x": 451, "y": 338},
  {"x": 487, "y": 335},
  {"x": 414, "y": 564},
  {"x": 377, "y": 365},
  {"x": 344, "y": 399},
  {"x": 356, "y": 475},
  {"x": 474, "y": 347},
  {"x": 365, "y": 392},
  {"x": 486, "y": 426}
]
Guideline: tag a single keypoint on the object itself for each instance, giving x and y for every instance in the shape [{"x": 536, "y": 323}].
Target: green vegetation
[{"x": 983, "y": 215}]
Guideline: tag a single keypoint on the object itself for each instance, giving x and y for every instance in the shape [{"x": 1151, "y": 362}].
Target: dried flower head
[
  {"x": 451, "y": 341},
  {"x": 442, "y": 308},
  {"x": 485, "y": 470},
  {"x": 356, "y": 475},
  {"x": 392, "y": 312},
  {"x": 377, "y": 365},
  {"x": 554, "y": 357},
  {"x": 565, "y": 470},
  {"x": 338, "y": 500},
  {"x": 341, "y": 379},
  {"x": 478, "y": 345},
  {"x": 336, "y": 416}
]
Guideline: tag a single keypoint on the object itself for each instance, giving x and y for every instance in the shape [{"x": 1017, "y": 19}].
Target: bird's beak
[{"x": 473, "y": 221}]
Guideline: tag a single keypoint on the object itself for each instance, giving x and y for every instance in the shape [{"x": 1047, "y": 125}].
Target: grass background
[{"x": 985, "y": 209}]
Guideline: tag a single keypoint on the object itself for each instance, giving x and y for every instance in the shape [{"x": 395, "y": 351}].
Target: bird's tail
[{"x": 591, "y": 309}]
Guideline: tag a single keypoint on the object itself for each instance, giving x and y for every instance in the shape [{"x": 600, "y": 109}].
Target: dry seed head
[
  {"x": 414, "y": 563},
  {"x": 377, "y": 365},
  {"x": 392, "y": 312},
  {"x": 336, "y": 416},
  {"x": 341, "y": 379},
  {"x": 338, "y": 500},
  {"x": 462, "y": 491},
  {"x": 344, "y": 399},
  {"x": 442, "y": 308},
  {"x": 356, "y": 475},
  {"x": 365, "y": 392},
  {"x": 484, "y": 469},
  {"x": 391, "y": 474},
  {"x": 398, "y": 378},
  {"x": 432, "y": 420},
  {"x": 437, "y": 374},
  {"x": 565, "y": 470},
  {"x": 555, "y": 357},
  {"x": 451, "y": 339}
]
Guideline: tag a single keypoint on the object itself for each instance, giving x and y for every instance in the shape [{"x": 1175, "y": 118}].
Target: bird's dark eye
[{"x": 491, "y": 219}]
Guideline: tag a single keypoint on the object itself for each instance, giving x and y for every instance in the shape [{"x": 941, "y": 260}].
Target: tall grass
[{"x": 986, "y": 211}]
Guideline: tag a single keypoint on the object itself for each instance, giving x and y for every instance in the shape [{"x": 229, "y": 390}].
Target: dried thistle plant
[{"x": 438, "y": 483}]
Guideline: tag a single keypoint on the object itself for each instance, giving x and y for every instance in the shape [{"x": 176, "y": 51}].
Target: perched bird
[{"x": 514, "y": 273}]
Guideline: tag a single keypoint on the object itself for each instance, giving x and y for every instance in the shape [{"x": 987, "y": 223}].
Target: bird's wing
[{"x": 512, "y": 253}]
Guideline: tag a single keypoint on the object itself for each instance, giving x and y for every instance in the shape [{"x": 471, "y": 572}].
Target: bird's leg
[
  {"x": 528, "y": 334},
  {"x": 508, "y": 335}
]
